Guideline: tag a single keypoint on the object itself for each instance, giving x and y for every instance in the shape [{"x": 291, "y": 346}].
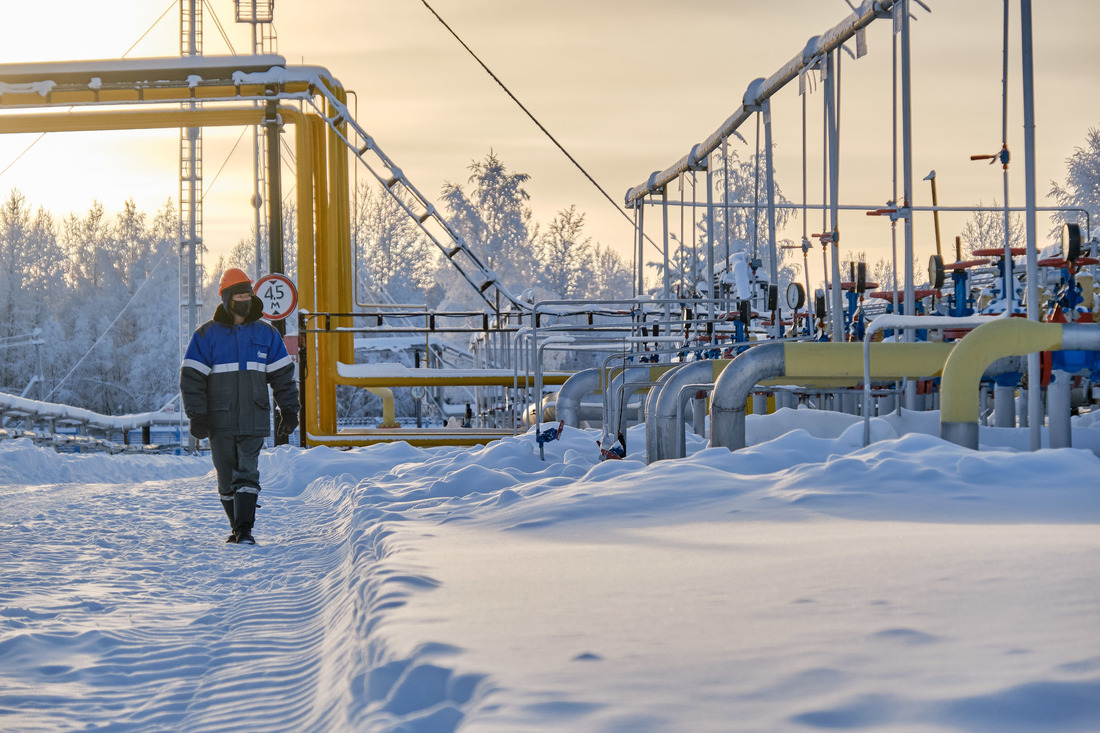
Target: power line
[
  {"x": 25, "y": 151},
  {"x": 528, "y": 113},
  {"x": 215, "y": 178},
  {"x": 150, "y": 28},
  {"x": 221, "y": 30},
  {"x": 131, "y": 48}
]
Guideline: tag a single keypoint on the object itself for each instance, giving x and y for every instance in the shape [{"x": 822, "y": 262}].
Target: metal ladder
[{"x": 453, "y": 246}]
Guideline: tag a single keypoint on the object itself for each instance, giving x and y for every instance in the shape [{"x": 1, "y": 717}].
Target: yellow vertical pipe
[
  {"x": 341, "y": 202},
  {"x": 326, "y": 356},
  {"x": 307, "y": 288}
]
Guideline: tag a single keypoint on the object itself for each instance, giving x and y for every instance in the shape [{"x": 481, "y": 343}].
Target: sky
[
  {"x": 803, "y": 583},
  {"x": 627, "y": 88}
]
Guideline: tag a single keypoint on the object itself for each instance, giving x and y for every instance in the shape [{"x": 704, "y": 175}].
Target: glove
[
  {"x": 288, "y": 421},
  {"x": 200, "y": 426}
]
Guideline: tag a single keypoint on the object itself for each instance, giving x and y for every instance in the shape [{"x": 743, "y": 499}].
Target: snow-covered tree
[
  {"x": 740, "y": 227},
  {"x": 496, "y": 222},
  {"x": 395, "y": 264},
  {"x": 563, "y": 254},
  {"x": 986, "y": 229},
  {"x": 610, "y": 276},
  {"x": 1082, "y": 186}
]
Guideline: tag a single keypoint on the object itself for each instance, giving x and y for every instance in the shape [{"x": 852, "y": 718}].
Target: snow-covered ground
[{"x": 804, "y": 583}]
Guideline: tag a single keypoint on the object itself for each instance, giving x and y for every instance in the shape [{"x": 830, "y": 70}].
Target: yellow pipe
[
  {"x": 180, "y": 92},
  {"x": 130, "y": 120},
  {"x": 423, "y": 437},
  {"x": 307, "y": 289},
  {"x": 962, "y": 375},
  {"x": 423, "y": 378},
  {"x": 389, "y": 420},
  {"x": 342, "y": 193},
  {"x": 843, "y": 362},
  {"x": 326, "y": 356}
]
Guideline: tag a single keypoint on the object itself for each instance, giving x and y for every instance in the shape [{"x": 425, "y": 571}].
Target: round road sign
[{"x": 278, "y": 294}]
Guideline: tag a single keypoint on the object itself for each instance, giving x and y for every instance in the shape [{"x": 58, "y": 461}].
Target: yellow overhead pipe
[
  {"x": 144, "y": 119},
  {"x": 843, "y": 362}
]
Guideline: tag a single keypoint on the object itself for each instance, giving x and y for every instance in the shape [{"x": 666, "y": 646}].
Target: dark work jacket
[{"x": 227, "y": 369}]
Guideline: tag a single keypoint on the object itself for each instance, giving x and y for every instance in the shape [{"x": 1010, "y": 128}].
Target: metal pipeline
[
  {"x": 581, "y": 384},
  {"x": 661, "y": 423},
  {"x": 731, "y": 392}
]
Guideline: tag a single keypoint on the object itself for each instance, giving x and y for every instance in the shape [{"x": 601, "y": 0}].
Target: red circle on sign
[{"x": 278, "y": 294}]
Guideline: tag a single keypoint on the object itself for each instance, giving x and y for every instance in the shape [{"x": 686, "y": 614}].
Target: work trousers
[{"x": 237, "y": 461}]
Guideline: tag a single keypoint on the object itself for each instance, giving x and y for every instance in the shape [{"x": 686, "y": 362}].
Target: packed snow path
[{"x": 804, "y": 583}]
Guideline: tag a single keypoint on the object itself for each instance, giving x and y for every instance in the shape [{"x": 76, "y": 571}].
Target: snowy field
[{"x": 805, "y": 583}]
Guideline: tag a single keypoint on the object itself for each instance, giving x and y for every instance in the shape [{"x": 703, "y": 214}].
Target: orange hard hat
[{"x": 231, "y": 277}]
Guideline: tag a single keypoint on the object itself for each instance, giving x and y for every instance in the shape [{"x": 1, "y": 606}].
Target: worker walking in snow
[{"x": 224, "y": 381}]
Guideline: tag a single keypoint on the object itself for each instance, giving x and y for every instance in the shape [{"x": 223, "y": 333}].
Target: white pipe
[
  {"x": 711, "y": 294},
  {"x": 1034, "y": 405},
  {"x": 907, "y": 183},
  {"x": 661, "y": 422},
  {"x": 578, "y": 386},
  {"x": 1058, "y": 409},
  {"x": 833, "y": 137},
  {"x": 769, "y": 177}
]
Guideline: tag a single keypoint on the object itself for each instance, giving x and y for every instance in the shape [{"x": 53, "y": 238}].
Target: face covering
[{"x": 241, "y": 307}]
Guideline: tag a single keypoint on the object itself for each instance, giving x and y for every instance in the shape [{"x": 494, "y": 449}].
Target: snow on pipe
[
  {"x": 762, "y": 89},
  {"x": 967, "y": 364},
  {"x": 53, "y": 411},
  {"x": 661, "y": 422}
]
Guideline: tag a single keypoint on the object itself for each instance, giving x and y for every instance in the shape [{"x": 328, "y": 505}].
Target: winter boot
[
  {"x": 244, "y": 514},
  {"x": 228, "y": 507}
]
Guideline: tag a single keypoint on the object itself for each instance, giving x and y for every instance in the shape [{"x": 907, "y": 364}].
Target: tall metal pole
[
  {"x": 1034, "y": 406},
  {"x": 273, "y": 127},
  {"x": 837, "y": 298},
  {"x": 907, "y": 184},
  {"x": 639, "y": 218},
  {"x": 1009, "y": 290},
  {"x": 190, "y": 166},
  {"x": 257, "y": 172},
  {"x": 711, "y": 295},
  {"x": 664, "y": 225},
  {"x": 769, "y": 173}
]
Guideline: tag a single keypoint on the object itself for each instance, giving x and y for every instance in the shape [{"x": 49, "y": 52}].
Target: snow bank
[{"x": 805, "y": 582}]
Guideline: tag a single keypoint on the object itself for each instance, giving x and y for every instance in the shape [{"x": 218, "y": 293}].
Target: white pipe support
[
  {"x": 1058, "y": 410},
  {"x": 1004, "y": 406}
]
